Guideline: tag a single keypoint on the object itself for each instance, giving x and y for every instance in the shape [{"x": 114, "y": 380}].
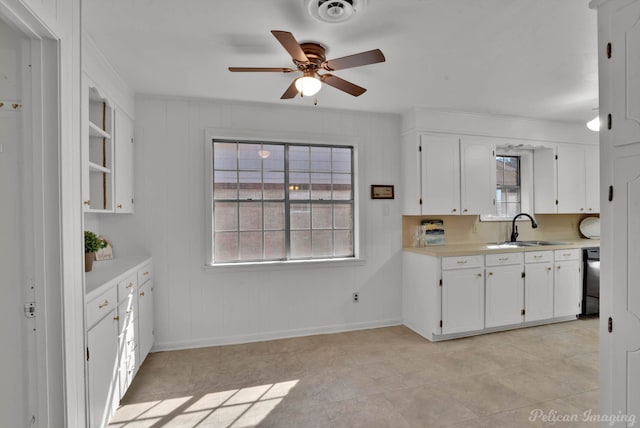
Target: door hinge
[
  {"x": 87, "y": 353},
  {"x": 556, "y": 202},
  {"x": 440, "y": 323},
  {"x": 522, "y": 312},
  {"x": 556, "y": 157},
  {"x": 420, "y": 201},
  {"x": 523, "y": 274},
  {"x": 610, "y": 325},
  {"x": 30, "y": 309},
  {"x": 440, "y": 282},
  {"x": 610, "y": 193},
  {"x": 609, "y": 50},
  {"x": 609, "y": 121},
  {"x": 419, "y": 148}
]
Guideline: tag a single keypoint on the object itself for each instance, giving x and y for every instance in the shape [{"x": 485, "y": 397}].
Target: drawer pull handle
[
  {"x": 103, "y": 304},
  {"x": 461, "y": 262},
  {"x": 490, "y": 273},
  {"x": 503, "y": 259},
  {"x": 537, "y": 257},
  {"x": 116, "y": 318},
  {"x": 130, "y": 285},
  {"x": 566, "y": 254}
]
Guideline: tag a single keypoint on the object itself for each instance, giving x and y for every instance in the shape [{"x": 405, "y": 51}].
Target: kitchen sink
[{"x": 516, "y": 244}]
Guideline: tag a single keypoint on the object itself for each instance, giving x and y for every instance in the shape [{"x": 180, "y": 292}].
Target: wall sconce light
[{"x": 594, "y": 124}]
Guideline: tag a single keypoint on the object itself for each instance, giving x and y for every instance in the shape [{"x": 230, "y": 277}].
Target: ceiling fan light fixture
[
  {"x": 308, "y": 85},
  {"x": 334, "y": 11}
]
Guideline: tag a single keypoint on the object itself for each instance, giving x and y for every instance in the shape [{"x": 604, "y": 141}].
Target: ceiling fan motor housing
[{"x": 334, "y": 11}]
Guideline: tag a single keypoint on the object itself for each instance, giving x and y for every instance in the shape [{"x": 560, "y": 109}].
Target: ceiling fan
[{"x": 309, "y": 58}]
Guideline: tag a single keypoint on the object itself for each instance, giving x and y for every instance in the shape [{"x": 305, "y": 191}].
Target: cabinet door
[
  {"x": 504, "y": 295},
  {"x": 127, "y": 341},
  {"x": 462, "y": 300},
  {"x": 571, "y": 179},
  {"x": 545, "y": 181},
  {"x": 477, "y": 176},
  {"x": 145, "y": 320},
  {"x": 592, "y": 179},
  {"x": 102, "y": 370},
  {"x": 440, "y": 174},
  {"x": 538, "y": 291},
  {"x": 411, "y": 176},
  {"x": 567, "y": 290},
  {"x": 123, "y": 175}
]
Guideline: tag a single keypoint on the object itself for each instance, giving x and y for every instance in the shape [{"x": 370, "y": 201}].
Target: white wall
[{"x": 198, "y": 306}]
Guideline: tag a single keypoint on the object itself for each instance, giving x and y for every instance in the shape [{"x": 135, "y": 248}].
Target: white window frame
[
  {"x": 526, "y": 182},
  {"x": 287, "y": 138}
]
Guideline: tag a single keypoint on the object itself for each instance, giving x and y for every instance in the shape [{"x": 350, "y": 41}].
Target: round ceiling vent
[{"x": 334, "y": 11}]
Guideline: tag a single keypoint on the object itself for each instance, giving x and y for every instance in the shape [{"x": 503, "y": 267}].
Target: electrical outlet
[{"x": 356, "y": 297}]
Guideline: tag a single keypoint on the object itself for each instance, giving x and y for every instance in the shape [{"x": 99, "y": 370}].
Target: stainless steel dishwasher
[{"x": 591, "y": 281}]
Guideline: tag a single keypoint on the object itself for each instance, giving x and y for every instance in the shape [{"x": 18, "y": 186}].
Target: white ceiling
[{"x": 532, "y": 58}]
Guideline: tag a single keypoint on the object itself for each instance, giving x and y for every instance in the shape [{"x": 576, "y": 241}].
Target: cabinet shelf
[
  {"x": 94, "y": 167},
  {"x": 95, "y": 131}
]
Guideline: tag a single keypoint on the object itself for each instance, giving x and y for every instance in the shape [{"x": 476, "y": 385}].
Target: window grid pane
[
  {"x": 281, "y": 201},
  {"x": 508, "y": 190}
]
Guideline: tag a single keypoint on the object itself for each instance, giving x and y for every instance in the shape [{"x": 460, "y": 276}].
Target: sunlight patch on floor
[{"x": 234, "y": 408}]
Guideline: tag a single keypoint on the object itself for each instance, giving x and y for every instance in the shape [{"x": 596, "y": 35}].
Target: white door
[
  {"x": 462, "y": 300},
  {"x": 620, "y": 284},
  {"x": 504, "y": 295},
  {"x": 477, "y": 176},
  {"x": 440, "y": 174},
  {"x": 18, "y": 369},
  {"x": 538, "y": 291},
  {"x": 567, "y": 289}
]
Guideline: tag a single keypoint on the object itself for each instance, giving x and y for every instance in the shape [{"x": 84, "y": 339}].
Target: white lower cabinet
[
  {"x": 119, "y": 316},
  {"x": 462, "y": 294},
  {"x": 449, "y": 297},
  {"x": 568, "y": 278},
  {"x": 538, "y": 286},
  {"x": 504, "y": 289},
  {"x": 102, "y": 357}
]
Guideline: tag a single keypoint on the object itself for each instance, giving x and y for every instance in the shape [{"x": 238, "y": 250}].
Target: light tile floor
[{"x": 385, "y": 377}]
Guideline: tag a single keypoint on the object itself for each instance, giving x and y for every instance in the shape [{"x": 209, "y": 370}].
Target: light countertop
[{"x": 471, "y": 248}]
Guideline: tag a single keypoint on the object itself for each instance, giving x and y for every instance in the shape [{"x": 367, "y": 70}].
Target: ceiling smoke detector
[{"x": 334, "y": 11}]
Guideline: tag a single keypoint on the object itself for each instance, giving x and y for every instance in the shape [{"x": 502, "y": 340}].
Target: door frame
[{"x": 53, "y": 110}]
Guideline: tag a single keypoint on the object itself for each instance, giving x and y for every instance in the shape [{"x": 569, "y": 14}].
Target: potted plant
[{"x": 92, "y": 243}]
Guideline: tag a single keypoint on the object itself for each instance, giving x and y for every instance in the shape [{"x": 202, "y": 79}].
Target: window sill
[{"x": 286, "y": 265}]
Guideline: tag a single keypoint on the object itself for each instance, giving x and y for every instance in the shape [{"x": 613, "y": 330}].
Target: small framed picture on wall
[{"x": 382, "y": 191}]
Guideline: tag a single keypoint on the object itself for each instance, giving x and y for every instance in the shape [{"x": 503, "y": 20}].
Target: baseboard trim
[{"x": 282, "y": 334}]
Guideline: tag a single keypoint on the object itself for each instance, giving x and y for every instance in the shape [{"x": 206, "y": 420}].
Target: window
[
  {"x": 281, "y": 201},
  {"x": 508, "y": 190}
]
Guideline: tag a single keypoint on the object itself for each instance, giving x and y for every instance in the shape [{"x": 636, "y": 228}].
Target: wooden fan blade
[
  {"x": 342, "y": 84},
  {"x": 356, "y": 60},
  {"x": 291, "y": 91},
  {"x": 270, "y": 69},
  {"x": 290, "y": 43}
]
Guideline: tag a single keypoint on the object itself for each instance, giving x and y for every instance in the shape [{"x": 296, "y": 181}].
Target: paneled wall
[{"x": 198, "y": 306}]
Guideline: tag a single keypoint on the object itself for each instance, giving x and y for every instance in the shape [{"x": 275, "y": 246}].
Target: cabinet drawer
[
  {"x": 571, "y": 254},
  {"x": 461, "y": 262},
  {"x": 503, "y": 259},
  {"x": 145, "y": 273},
  {"x": 127, "y": 287},
  {"x": 101, "y": 306},
  {"x": 538, "y": 256}
]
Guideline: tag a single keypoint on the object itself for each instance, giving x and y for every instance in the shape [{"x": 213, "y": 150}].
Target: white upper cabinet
[
  {"x": 477, "y": 176},
  {"x": 446, "y": 176},
  {"x": 123, "y": 175},
  {"x": 440, "y": 181},
  {"x": 566, "y": 180}
]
